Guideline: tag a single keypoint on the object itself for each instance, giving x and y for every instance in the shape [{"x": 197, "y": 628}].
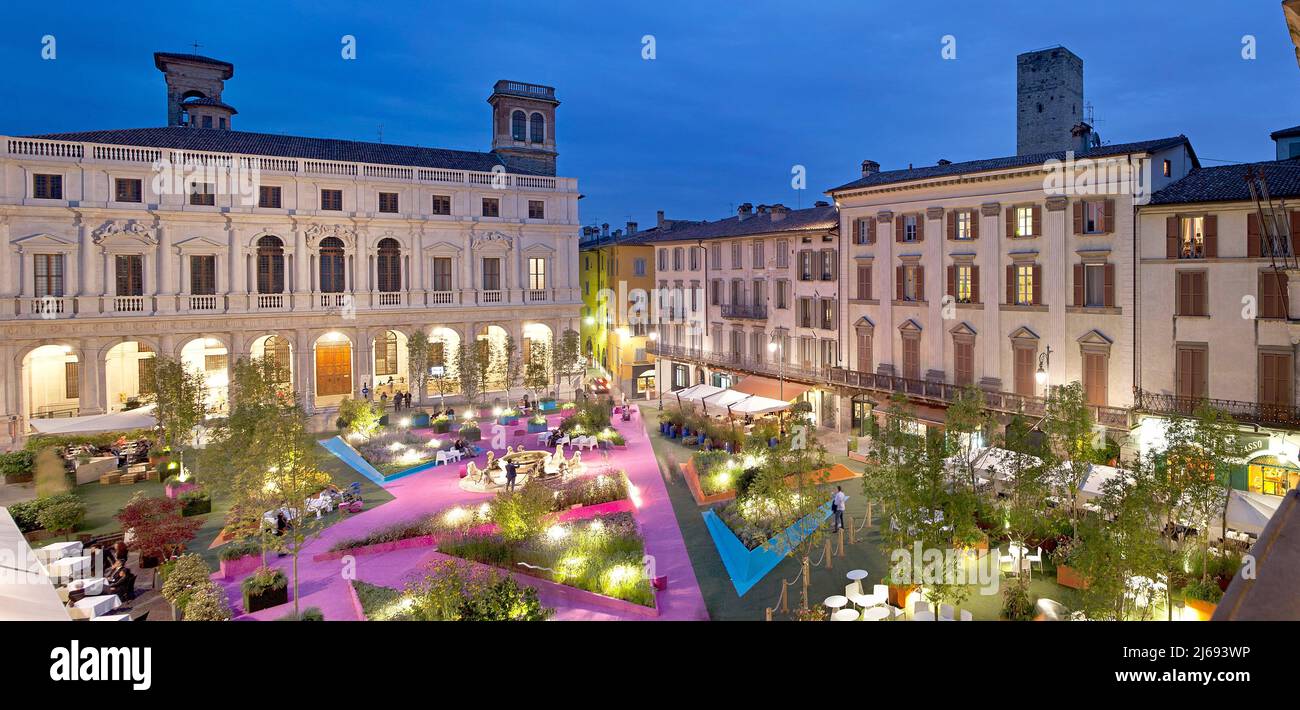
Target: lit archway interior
[
  {"x": 333, "y": 360},
  {"x": 209, "y": 357},
  {"x": 535, "y": 334},
  {"x": 128, "y": 375},
  {"x": 492, "y": 347},
  {"x": 391, "y": 374},
  {"x": 52, "y": 381},
  {"x": 277, "y": 349},
  {"x": 444, "y": 343}
]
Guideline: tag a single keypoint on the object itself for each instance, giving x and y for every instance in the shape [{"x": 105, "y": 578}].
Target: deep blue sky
[{"x": 739, "y": 91}]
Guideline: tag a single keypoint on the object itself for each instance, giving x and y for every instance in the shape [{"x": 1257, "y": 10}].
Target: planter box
[
  {"x": 547, "y": 405},
  {"x": 196, "y": 507},
  {"x": 898, "y": 594},
  {"x": 1203, "y": 609},
  {"x": 420, "y": 421},
  {"x": 507, "y": 421},
  {"x": 471, "y": 435},
  {"x": 537, "y": 428},
  {"x": 1067, "y": 577},
  {"x": 266, "y": 600},
  {"x": 442, "y": 427},
  {"x": 233, "y": 569},
  {"x": 746, "y": 567},
  {"x": 175, "y": 490}
]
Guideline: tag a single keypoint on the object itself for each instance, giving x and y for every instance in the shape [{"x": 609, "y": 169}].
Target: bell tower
[
  {"x": 194, "y": 86},
  {"x": 523, "y": 125}
]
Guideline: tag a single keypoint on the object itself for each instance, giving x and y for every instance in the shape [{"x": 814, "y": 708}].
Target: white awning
[
  {"x": 141, "y": 418},
  {"x": 759, "y": 405},
  {"x": 1095, "y": 484},
  {"x": 26, "y": 592},
  {"x": 1247, "y": 512},
  {"x": 696, "y": 393}
]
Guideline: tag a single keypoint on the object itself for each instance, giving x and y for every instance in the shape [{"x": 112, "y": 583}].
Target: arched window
[
  {"x": 331, "y": 265},
  {"x": 270, "y": 265},
  {"x": 518, "y": 126},
  {"x": 389, "y": 265},
  {"x": 536, "y": 129},
  {"x": 276, "y": 350},
  {"x": 386, "y": 354}
]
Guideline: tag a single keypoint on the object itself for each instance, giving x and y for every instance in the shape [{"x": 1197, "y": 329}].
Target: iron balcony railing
[
  {"x": 751, "y": 312},
  {"x": 1279, "y": 415}
]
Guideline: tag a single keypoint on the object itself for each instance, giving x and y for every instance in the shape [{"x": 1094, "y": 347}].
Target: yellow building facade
[{"x": 617, "y": 273}]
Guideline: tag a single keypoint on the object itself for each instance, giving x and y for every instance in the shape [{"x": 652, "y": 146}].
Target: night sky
[{"x": 739, "y": 92}]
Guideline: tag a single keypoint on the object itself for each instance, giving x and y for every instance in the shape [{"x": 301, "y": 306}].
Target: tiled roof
[
  {"x": 635, "y": 239},
  {"x": 1227, "y": 183},
  {"x": 1285, "y": 133},
  {"x": 208, "y": 102},
  {"x": 1014, "y": 161},
  {"x": 222, "y": 141},
  {"x": 159, "y": 57},
  {"x": 809, "y": 219}
]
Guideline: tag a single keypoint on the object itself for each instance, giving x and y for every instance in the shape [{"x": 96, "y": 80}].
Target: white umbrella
[
  {"x": 141, "y": 418},
  {"x": 26, "y": 592}
]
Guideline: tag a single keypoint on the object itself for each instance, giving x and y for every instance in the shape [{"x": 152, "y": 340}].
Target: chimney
[
  {"x": 762, "y": 209},
  {"x": 746, "y": 210},
  {"x": 944, "y": 161},
  {"x": 821, "y": 203},
  {"x": 1082, "y": 138},
  {"x": 779, "y": 211},
  {"x": 631, "y": 227},
  {"x": 660, "y": 216},
  {"x": 869, "y": 167},
  {"x": 604, "y": 229},
  {"x": 618, "y": 233}
]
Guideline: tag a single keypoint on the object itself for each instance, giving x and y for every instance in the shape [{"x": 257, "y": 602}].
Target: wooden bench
[
  {"x": 109, "y": 479},
  {"x": 129, "y": 478}
]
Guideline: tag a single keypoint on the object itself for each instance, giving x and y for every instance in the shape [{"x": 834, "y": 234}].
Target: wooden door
[{"x": 333, "y": 369}]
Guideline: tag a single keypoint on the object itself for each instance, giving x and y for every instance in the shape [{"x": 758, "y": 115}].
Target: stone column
[
  {"x": 992, "y": 291},
  {"x": 304, "y": 369},
  {"x": 92, "y": 387}
]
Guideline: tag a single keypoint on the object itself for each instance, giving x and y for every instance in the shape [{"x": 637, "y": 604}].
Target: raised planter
[
  {"x": 547, "y": 404},
  {"x": 507, "y": 421},
  {"x": 196, "y": 506},
  {"x": 534, "y": 428},
  {"x": 233, "y": 569},
  {"x": 267, "y": 599},
  {"x": 442, "y": 427},
  {"x": 747, "y": 567},
  {"x": 378, "y": 548},
  {"x": 1204, "y": 610},
  {"x": 471, "y": 434},
  {"x": 175, "y": 490},
  {"x": 898, "y": 594},
  {"x": 1066, "y": 576},
  {"x": 419, "y": 420}
]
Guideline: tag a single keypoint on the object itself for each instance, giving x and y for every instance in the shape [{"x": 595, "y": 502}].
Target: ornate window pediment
[
  {"x": 864, "y": 323},
  {"x": 442, "y": 248},
  {"x": 962, "y": 328},
  {"x": 1095, "y": 339},
  {"x": 127, "y": 234},
  {"x": 1023, "y": 333},
  {"x": 44, "y": 242},
  {"x": 199, "y": 245},
  {"x": 910, "y": 326},
  {"x": 538, "y": 248},
  {"x": 316, "y": 232},
  {"x": 492, "y": 240}
]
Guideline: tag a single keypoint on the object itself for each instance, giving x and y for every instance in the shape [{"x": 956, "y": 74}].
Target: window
[
  {"x": 715, "y": 256},
  {"x": 805, "y": 266},
  {"x": 491, "y": 207},
  {"x": 962, "y": 288},
  {"x": 663, "y": 259},
  {"x": 864, "y": 350},
  {"x": 638, "y": 265},
  {"x": 332, "y": 279},
  {"x": 130, "y": 274},
  {"x": 1024, "y": 284},
  {"x": 963, "y": 222},
  {"x": 1166, "y": 168},
  {"x": 442, "y": 273},
  {"x": 963, "y": 357},
  {"x": 828, "y": 265},
  {"x": 207, "y": 122},
  {"x": 491, "y": 274},
  {"x": 331, "y": 200},
  {"x": 1094, "y": 217},
  {"x": 737, "y": 259},
  {"x": 911, "y": 283},
  {"x": 1272, "y": 295},
  {"x": 1024, "y": 221},
  {"x": 827, "y": 314},
  {"x": 805, "y": 313},
  {"x": 536, "y": 209},
  {"x": 910, "y": 228},
  {"x": 47, "y": 187},
  {"x": 388, "y": 265},
  {"x": 760, "y": 260},
  {"x": 716, "y": 296},
  {"x": 442, "y": 204},
  {"x": 203, "y": 274},
  {"x": 536, "y": 273},
  {"x": 912, "y": 355},
  {"x": 694, "y": 258},
  {"x": 146, "y": 371},
  {"x": 268, "y": 196},
  {"x": 536, "y": 128},
  {"x": 678, "y": 259},
  {"x": 48, "y": 269},
  {"x": 1275, "y": 369},
  {"x": 1094, "y": 285},
  {"x": 1095, "y": 374},
  {"x": 1026, "y": 364},
  {"x": 1191, "y": 238},
  {"x": 127, "y": 190},
  {"x": 388, "y": 202},
  {"x": 71, "y": 380},
  {"x": 1191, "y": 375},
  {"x": 518, "y": 126},
  {"x": 783, "y": 294},
  {"x": 864, "y": 282},
  {"x": 386, "y": 354},
  {"x": 864, "y": 230},
  {"x": 270, "y": 265},
  {"x": 782, "y": 254},
  {"x": 1190, "y": 296},
  {"x": 203, "y": 194},
  {"x": 737, "y": 292}
]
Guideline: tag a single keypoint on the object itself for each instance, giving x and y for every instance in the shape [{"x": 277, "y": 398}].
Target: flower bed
[
  {"x": 396, "y": 451},
  {"x": 747, "y": 565}
]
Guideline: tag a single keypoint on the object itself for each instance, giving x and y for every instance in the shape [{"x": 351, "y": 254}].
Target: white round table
[
  {"x": 845, "y": 615},
  {"x": 836, "y": 601},
  {"x": 856, "y": 575},
  {"x": 875, "y": 613}
]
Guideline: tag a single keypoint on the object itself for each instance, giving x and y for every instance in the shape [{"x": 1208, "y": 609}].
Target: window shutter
[
  {"x": 870, "y": 223},
  {"x": 1110, "y": 286},
  {"x": 1295, "y": 233},
  {"x": 952, "y": 225},
  {"x": 920, "y": 282},
  {"x": 1038, "y": 221},
  {"x": 1078, "y": 285},
  {"x": 1171, "y": 237},
  {"x": 975, "y": 224},
  {"x": 920, "y": 227},
  {"x": 974, "y": 284},
  {"x": 1200, "y": 295},
  {"x": 1078, "y": 217},
  {"x": 1011, "y": 284},
  {"x": 1253, "y": 249},
  {"x": 898, "y": 228},
  {"x": 1011, "y": 222},
  {"x": 1181, "y": 300},
  {"x": 952, "y": 280},
  {"x": 1108, "y": 216},
  {"x": 1038, "y": 285},
  {"x": 898, "y": 282},
  {"x": 1267, "y": 291},
  {"x": 1211, "y": 236}
]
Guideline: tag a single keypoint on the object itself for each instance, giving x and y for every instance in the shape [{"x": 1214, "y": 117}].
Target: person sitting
[
  {"x": 120, "y": 581},
  {"x": 120, "y": 552}
]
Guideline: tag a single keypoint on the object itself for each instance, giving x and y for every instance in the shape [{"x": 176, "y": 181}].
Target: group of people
[{"x": 401, "y": 400}]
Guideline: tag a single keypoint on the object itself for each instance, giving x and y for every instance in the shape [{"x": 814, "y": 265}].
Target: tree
[
  {"x": 179, "y": 394},
  {"x": 537, "y": 370},
  {"x": 468, "y": 371},
  {"x": 62, "y": 514},
  {"x": 417, "y": 363},
  {"x": 156, "y": 527},
  {"x": 565, "y": 356},
  {"x": 510, "y": 365},
  {"x": 1215, "y": 436},
  {"x": 1069, "y": 428},
  {"x": 49, "y": 472},
  {"x": 966, "y": 421},
  {"x": 1027, "y": 483},
  {"x": 449, "y": 381}
]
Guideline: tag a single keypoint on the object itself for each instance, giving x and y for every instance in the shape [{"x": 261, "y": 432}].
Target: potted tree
[
  {"x": 158, "y": 529},
  {"x": 195, "y": 502},
  {"x": 469, "y": 431},
  {"x": 265, "y": 588},
  {"x": 442, "y": 423},
  {"x": 1066, "y": 553},
  {"x": 1202, "y": 597},
  {"x": 537, "y": 424}
]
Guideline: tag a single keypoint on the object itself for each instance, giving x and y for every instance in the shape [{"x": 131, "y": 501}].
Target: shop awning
[
  {"x": 753, "y": 404},
  {"x": 26, "y": 592},
  {"x": 770, "y": 388},
  {"x": 695, "y": 393},
  {"x": 130, "y": 420}
]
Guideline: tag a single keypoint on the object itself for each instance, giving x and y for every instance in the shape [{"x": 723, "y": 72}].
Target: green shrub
[
  {"x": 265, "y": 579},
  {"x": 1015, "y": 603},
  {"x": 207, "y": 602},
  {"x": 519, "y": 514},
  {"x": 16, "y": 467},
  {"x": 311, "y": 613},
  {"x": 27, "y": 513},
  {"x": 195, "y": 502},
  {"x": 1207, "y": 591},
  {"x": 240, "y": 548},
  {"x": 182, "y": 576},
  {"x": 62, "y": 515},
  {"x": 358, "y": 416}
]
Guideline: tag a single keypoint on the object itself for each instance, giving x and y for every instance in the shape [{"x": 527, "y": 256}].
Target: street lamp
[
  {"x": 659, "y": 384},
  {"x": 772, "y": 347},
  {"x": 1044, "y": 362}
]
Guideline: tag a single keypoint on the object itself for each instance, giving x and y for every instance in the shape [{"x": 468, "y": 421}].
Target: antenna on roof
[
  {"x": 196, "y": 46},
  {"x": 381, "y": 133}
]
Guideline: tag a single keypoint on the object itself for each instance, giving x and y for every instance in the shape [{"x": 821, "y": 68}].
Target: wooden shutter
[
  {"x": 1267, "y": 295},
  {"x": 1254, "y": 248},
  {"x": 1108, "y": 216},
  {"x": 1211, "y": 236},
  {"x": 963, "y": 361},
  {"x": 864, "y": 352},
  {"x": 920, "y": 282},
  {"x": 870, "y": 224},
  {"x": 952, "y": 225},
  {"x": 1171, "y": 237},
  {"x": 1011, "y": 222},
  {"x": 1078, "y": 217},
  {"x": 1011, "y": 284},
  {"x": 898, "y": 282},
  {"x": 1275, "y": 379},
  {"x": 974, "y": 284},
  {"x": 1038, "y": 220},
  {"x": 975, "y": 224},
  {"x": 1094, "y": 378},
  {"x": 1024, "y": 362},
  {"x": 1109, "y": 287},
  {"x": 1200, "y": 293},
  {"x": 920, "y": 227},
  {"x": 1038, "y": 285},
  {"x": 898, "y": 227},
  {"x": 1295, "y": 233},
  {"x": 1078, "y": 285},
  {"x": 952, "y": 280},
  {"x": 1182, "y": 302}
]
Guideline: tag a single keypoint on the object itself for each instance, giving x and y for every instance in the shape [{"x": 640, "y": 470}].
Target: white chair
[
  {"x": 442, "y": 457},
  {"x": 920, "y": 607},
  {"x": 853, "y": 591},
  {"x": 966, "y": 616},
  {"x": 947, "y": 612},
  {"x": 542, "y": 437},
  {"x": 1036, "y": 557},
  {"x": 1009, "y": 560}
]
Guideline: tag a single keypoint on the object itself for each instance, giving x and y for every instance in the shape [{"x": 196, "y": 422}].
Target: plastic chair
[{"x": 947, "y": 612}]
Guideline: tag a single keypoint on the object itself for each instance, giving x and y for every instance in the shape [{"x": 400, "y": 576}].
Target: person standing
[
  {"x": 365, "y": 392},
  {"x": 837, "y": 508},
  {"x": 511, "y": 472}
]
